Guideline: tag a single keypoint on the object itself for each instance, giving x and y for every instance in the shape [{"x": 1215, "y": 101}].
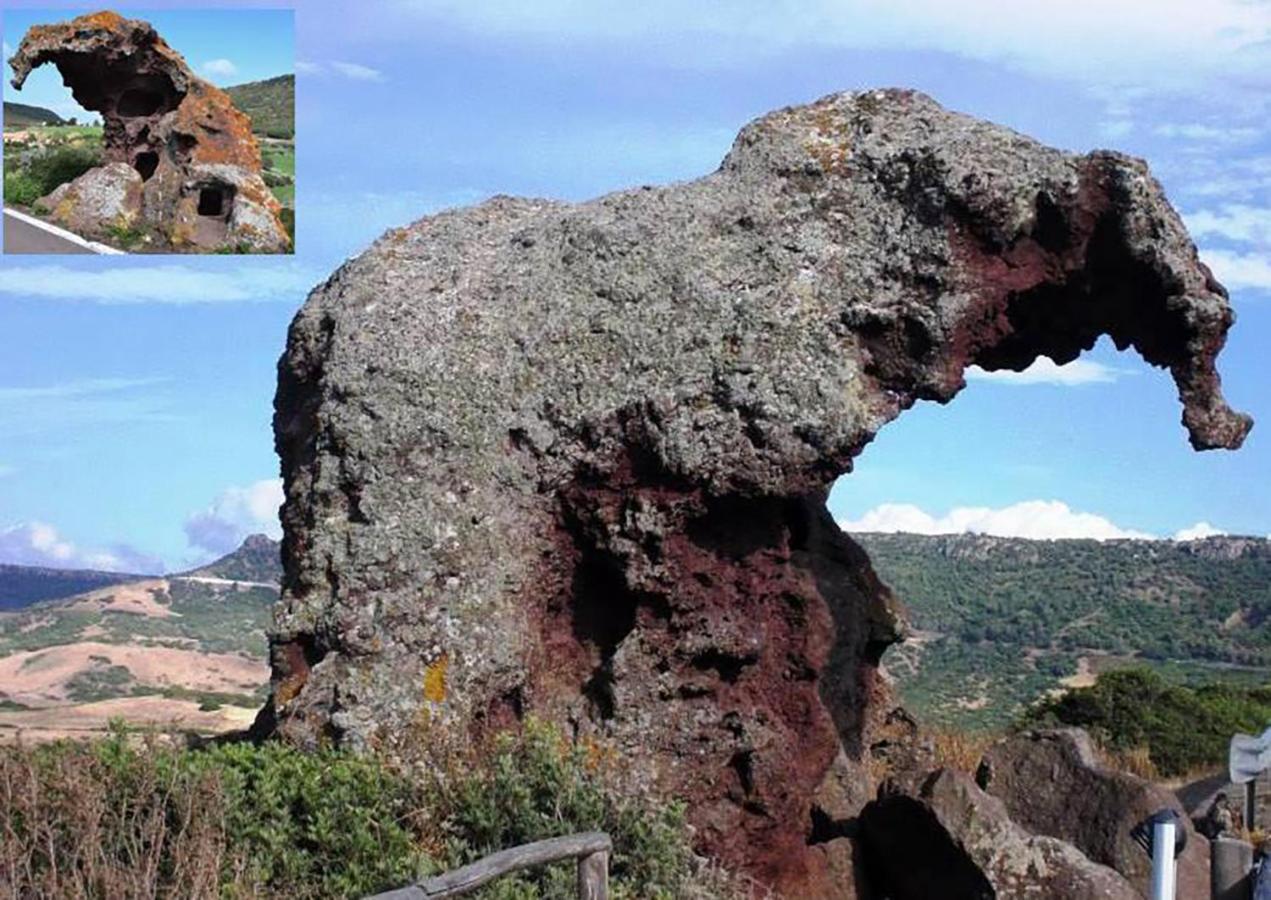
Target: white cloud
[
  {"x": 1035, "y": 519},
  {"x": 40, "y": 544},
  {"x": 177, "y": 284},
  {"x": 308, "y": 68},
  {"x": 1170, "y": 43},
  {"x": 220, "y": 68},
  {"x": 1195, "y": 131},
  {"x": 236, "y": 513},
  {"x": 70, "y": 406},
  {"x": 1197, "y": 532},
  {"x": 1234, "y": 221},
  {"x": 1044, "y": 370},
  {"x": 1239, "y": 270},
  {"x": 1115, "y": 129},
  {"x": 357, "y": 72}
]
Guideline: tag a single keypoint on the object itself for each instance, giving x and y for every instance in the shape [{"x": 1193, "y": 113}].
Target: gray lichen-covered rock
[
  {"x": 1053, "y": 783},
  {"x": 944, "y": 837},
  {"x": 97, "y": 201},
  {"x": 572, "y": 460}
]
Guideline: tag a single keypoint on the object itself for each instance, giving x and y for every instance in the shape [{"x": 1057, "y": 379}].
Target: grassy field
[{"x": 281, "y": 159}]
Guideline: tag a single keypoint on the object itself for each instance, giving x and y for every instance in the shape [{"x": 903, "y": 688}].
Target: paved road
[{"x": 21, "y": 237}]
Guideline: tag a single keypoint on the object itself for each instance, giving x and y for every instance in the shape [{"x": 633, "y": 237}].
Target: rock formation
[
  {"x": 572, "y": 460},
  {"x": 944, "y": 837},
  {"x": 1052, "y": 783},
  {"x": 197, "y": 162}
]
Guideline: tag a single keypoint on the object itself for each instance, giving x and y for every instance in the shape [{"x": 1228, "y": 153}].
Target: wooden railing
[{"x": 591, "y": 849}]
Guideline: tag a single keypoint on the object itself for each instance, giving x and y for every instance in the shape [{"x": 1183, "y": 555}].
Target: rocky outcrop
[
  {"x": 1053, "y": 783},
  {"x": 572, "y": 460},
  {"x": 105, "y": 198},
  {"x": 944, "y": 837},
  {"x": 192, "y": 149}
]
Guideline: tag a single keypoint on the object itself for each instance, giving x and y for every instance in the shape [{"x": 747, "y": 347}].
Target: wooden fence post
[{"x": 593, "y": 876}]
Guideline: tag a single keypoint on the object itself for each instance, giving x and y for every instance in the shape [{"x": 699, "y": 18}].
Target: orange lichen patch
[
  {"x": 435, "y": 680},
  {"x": 220, "y": 132},
  {"x": 104, "y": 19}
]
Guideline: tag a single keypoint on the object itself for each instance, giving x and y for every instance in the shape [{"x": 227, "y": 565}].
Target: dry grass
[
  {"x": 960, "y": 750},
  {"x": 1135, "y": 760},
  {"x": 70, "y": 831}
]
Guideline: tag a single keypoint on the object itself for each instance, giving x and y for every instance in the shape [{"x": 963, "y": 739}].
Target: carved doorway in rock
[{"x": 214, "y": 204}]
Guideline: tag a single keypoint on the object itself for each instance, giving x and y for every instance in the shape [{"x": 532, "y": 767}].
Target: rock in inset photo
[{"x": 155, "y": 132}]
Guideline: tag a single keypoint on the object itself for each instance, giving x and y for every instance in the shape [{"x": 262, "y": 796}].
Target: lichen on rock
[
  {"x": 581, "y": 452},
  {"x": 194, "y": 152}
]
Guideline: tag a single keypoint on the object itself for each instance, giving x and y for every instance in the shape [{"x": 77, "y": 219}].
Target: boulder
[
  {"x": 191, "y": 148},
  {"x": 97, "y": 201},
  {"x": 941, "y": 836},
  {"x": 1053, "y": 783},
  {"x": 571, "y": 460}
]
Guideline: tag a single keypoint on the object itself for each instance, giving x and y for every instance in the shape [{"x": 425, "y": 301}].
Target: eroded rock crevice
[
  {"x": 181, "y": 138},
  {"x": 578, "y": 455}
]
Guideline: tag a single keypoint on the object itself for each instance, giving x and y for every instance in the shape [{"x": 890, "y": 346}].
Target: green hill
[
  {"x": 19, "y": 115},
  {"x": 271, "y": 104},
  {"x": 999, "y": 622},
  {"x": 257, "y": 560}
]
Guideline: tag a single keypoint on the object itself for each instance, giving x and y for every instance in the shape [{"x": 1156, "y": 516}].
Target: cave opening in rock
[
  {"x": 139, "y": 102},
  {"x": 211, "y": 202},
  {"x": 145, "y": 163}
]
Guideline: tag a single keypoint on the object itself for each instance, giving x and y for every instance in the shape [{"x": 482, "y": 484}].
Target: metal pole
[
  {"x": 1251, "y": 804},
  {"x": 1163, "y": 860}
]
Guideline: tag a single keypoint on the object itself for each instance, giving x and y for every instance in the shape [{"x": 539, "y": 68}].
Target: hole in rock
[
  {"x": 211, "y": 202},
  {"x": 139, "y": 102},
  {"x": 1048, "y": 452},
  {"x": 145, "y": 163}
]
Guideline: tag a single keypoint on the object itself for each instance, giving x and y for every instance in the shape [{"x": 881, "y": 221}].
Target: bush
[
  {"x": 61, "y": 165},
  {"x": 20, "y": 189},
  {"x": 537, "y": 785},
  {"x": 1182, "y": 729},
  {"x": 123, "y": 818}
]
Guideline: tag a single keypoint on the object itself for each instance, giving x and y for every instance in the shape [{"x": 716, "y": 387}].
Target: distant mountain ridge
[
  {"x": 271, "y": 104},
  {"x": 20, "y": 114},
  {"x": 21, "y": 586}
]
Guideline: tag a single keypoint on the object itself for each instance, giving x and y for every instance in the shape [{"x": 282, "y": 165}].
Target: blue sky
[{"x": 136, "y": 394}]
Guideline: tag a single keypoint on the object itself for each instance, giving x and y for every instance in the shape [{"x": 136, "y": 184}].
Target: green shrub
[
  {"x": 128, "y": 818},
  {"x": 1183, "y": 728},
  {"x": 537, "y": 785},
  {"x": 62, "y": 164},
  {"x": 20, "y": 189}
]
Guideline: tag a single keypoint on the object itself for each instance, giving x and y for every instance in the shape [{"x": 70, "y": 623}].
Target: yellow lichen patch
[{"x": 435, "y": 680}]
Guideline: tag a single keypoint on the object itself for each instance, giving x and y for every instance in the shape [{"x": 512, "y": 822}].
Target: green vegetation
[
  {"x": 1001, "y": 621},
  {"x": 126, "y": 237},
  {"x": 100, "y": 682},
  {"x": 271, "y": 105},
  {"x": 1183, "y": 729},
  {"x": 32, "y": 173},
  {"x": 117, "y": 818}
]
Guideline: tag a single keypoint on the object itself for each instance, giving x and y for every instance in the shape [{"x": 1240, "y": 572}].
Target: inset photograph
[{"x": 158, "y": 131}]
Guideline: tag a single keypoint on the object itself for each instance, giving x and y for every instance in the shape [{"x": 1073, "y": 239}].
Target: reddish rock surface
[
  {"x": 194, "y": 151},
  {"x": 572, "y": 460}
]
